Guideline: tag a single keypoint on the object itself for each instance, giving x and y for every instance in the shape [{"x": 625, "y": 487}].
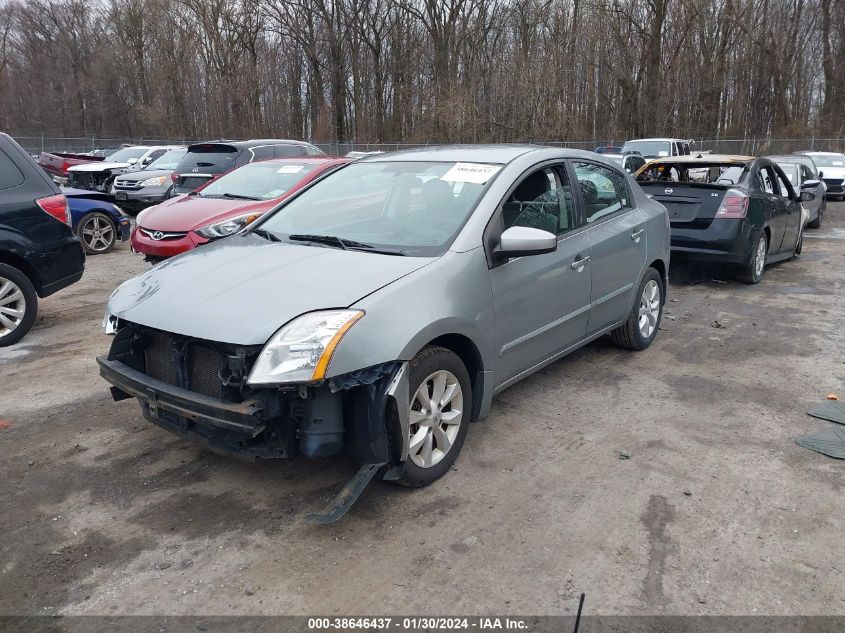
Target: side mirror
[
  {"x": 520, "y": 241},
  {"x": 147, "y": 160},
  {"x": 821, "y": 174},
  {"x": 807, "y": 196},
  {"x": 810, "y": 184}
]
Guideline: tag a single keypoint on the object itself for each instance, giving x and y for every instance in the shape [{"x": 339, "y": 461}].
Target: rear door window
[
  {"x": 209, "y": 159},
  {"x": 285, "y": 151},
  {"x": 263, "y": 152},
  {"x": 10, "y": 175},
  {"x": 766, "y": 181},
  {"x": 599, "y": 190}
]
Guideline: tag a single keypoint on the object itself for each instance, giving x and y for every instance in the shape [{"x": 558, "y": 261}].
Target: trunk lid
[{"x": 690, "y": 205}]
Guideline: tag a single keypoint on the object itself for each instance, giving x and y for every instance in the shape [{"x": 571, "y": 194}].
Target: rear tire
[
  {"x": 437, "y": 376},
  {"x": 98, "y": 233},
  {"x": 817, "y": 223},
  {"x": 643, "y": 322},
  {"x": 755, "y": 269},
  {"x": 18, "y": 305}
]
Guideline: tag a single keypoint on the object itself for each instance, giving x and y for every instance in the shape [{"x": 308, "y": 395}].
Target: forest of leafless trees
[{"x": 423, "y": 70}]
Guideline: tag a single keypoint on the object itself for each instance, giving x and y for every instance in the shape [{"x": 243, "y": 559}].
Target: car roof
[
  {"x": 252, "y": 142},
  {"x": 682, "y": 140},
  {"x": 501, "y": 154},
  {"x": 822, "y": 153}
]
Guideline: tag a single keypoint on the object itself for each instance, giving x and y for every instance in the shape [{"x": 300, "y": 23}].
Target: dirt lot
[{"x": 717, "y": 510}]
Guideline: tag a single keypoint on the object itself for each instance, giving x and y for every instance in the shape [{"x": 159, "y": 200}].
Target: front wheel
[
  {"x": 18, "y": 305},
  {"x": 440, "y": 409},
  {"x": 817, "y": 223},
  {"x": 644, "y": 320},
  {"x": 753, "y": 272}
]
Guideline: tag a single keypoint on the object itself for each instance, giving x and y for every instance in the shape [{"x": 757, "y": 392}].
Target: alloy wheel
[
  {"x": 760, "y": 257},
  {"x": 12, "y": 306},
  {"x": 98, "y": 234},
  {"x": 649, "y": 308},
  {"x": 437, "y": 411}
]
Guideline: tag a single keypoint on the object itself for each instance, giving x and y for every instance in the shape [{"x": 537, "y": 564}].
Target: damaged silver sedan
[{"x": 379, "y": 310}]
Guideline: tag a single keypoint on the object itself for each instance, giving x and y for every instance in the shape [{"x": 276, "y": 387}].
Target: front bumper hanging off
[{"x": 376, "y": 425}]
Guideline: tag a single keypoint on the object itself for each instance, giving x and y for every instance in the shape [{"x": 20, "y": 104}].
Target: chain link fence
[{"x": 35, "y": 144}]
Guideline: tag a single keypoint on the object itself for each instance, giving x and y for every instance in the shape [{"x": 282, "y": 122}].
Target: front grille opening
[
  {"x": 203, "y": 364},
  {"x": 159, "y": 359}
]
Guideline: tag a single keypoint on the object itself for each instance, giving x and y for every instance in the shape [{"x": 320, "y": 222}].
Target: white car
[
  {"x": 98, "y": 176},
  {"x": 831, "y": 167}
]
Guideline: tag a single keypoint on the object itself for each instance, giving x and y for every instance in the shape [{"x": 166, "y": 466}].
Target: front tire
[
  {"x": 640, "y": 329},
  {"x": 97, "y": 232},
  {"x": 440, "y": 410},
  {"x": 18, "y": 305},
  {"x": 817, "y": 223},
  {"x": 753, "y": 272}
]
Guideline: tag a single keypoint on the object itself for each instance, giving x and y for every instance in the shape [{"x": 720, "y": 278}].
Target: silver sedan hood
[{"x": 242, "y": 289}]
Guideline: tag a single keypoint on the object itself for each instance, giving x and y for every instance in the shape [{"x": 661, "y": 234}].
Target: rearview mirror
[
  {"x": 132, "y": 161},
  {"x": 810, "y": 184},
  {"x": 520, "y": 241}
]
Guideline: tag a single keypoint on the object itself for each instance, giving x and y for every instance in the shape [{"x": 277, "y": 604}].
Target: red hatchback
[{"x": 223, "y": 206}]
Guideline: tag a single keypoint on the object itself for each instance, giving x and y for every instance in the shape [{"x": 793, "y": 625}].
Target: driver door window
[
  {"x": 783, "y": 187},
  {"x": 599, "y": 191},
  {"x": 541, "y": 201}
]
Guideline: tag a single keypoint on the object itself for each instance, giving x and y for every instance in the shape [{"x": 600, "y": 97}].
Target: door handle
[
  {"x": 636, "y": 234},
  {"x": 579, "y": 263}
]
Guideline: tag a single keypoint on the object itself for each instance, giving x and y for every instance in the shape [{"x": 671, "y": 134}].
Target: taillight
[
  {"x": 56, "y": 206},
  {"x": 734, "y": 205},
  {"x": 65, "y": 167}
]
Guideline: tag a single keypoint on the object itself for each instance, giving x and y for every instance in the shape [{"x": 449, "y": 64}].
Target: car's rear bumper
[
  {"x": 165, "y": 247},
  {"x": 59, "y": 265},
  {"x": 725, "y": 241}
]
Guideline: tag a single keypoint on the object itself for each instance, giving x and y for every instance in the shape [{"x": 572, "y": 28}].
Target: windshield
[
  {"x": 412, "y": 207},
  {"x": 790, "y": 170},
  {"x": 209, "y": 159},
  {"x": 829, "y": 160},
  {"x": 123, "y": 155},
  {"x": 168, "y": 160},
  {"x": 262, "y": 180},
  {"x": 649, "y": 149}
]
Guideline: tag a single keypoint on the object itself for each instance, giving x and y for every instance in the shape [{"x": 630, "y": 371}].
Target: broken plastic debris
[
  {"x": 624, "y": 455},
  {"x": 832, "y": 396}
]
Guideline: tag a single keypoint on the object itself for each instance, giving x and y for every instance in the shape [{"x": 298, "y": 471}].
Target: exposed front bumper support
[{"x": 246, "y": 418}]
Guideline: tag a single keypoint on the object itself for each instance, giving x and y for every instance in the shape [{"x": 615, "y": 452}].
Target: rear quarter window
[
  {"x": 286, "y": 151},
  {"x": 10, "y": 175}
]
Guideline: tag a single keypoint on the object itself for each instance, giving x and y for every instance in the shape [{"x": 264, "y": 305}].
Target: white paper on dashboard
[
  {"x": 290, "y": 169},
  {"x": 476, "y": 173}
]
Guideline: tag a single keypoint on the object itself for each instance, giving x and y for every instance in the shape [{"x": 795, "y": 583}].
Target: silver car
[{"x": 379, "y": 310}]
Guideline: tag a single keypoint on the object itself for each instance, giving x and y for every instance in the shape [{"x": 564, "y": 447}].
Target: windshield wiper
[
  {"x": 266, "y": 234},
  {"x": 237, "y": 196},
  {"x": 333, "y": 240}
]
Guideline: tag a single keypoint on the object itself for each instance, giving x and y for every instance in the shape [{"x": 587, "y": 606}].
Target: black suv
[
  {"x": 208, "y": 161},
  {"x": 39, "y": 253}
]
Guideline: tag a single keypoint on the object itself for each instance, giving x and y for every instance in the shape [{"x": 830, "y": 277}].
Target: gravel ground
[{"x": 716, "y": 511}]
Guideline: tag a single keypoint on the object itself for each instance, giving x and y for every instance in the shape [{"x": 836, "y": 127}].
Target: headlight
[
  {"x": 155, "y": 182},
  {"x": 227, "y": 227},
  {"x": 302, "y": 349}
]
